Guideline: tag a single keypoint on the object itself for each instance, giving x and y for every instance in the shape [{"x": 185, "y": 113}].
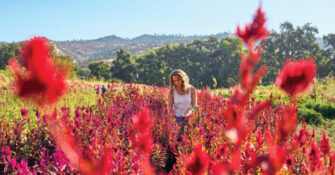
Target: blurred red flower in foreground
[
  {"x": 296, "y": 76},
  {"x": 40, "y": 81},
  {"x": 199, "y": 161},
  {"x": 255, "y": 30},
  {"x": 143, "y": 121},
  {"x": 143, "y": 143}
]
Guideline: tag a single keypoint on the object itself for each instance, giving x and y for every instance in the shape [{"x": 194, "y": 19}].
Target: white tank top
[{"x": 181, "y": 103}]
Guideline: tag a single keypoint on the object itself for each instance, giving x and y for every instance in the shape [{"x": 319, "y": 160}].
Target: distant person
[
  {"x": 182, "y": 98},
  {"x": 103, "y": 90}
]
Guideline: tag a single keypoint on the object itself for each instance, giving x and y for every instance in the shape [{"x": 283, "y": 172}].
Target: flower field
[
  {"x": 61, "y": 126},
  {"x": 28, "y": 147}
]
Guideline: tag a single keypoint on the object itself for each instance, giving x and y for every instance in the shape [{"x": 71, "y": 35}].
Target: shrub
[
  {"x": 327, "y": 110},
  {"x": 310, "y": 115}
]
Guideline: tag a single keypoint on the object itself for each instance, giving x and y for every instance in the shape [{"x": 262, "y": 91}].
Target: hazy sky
[{"x": 91, "y": 19}]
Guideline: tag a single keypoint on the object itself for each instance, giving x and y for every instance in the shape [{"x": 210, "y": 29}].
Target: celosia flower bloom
[
  {"x": 24, "y": 112},
  {"x": 41, "y": 81},
  {"x": 296, "y": 76},
  {"x": 142, "y": 121},
  {"x": 198, "y": 162},
  {"x": 289, "y": 162},
  {"x": 255, "y": 30},
  {"x": 314, "y": 157},
  {"x": 324, "y": 144},
  {"x": 144, "y": 142}
]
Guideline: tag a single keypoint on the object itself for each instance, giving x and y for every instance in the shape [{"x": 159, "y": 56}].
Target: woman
[{"x": 182, "y": 97}]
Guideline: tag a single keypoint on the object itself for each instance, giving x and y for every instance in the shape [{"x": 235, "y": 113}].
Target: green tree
[
  {"x": 100, "y": 70},
  {"x": 327, "y": 61},
  {"x": 124, "y": 67},
  {"x": 226, "y": 64},
  {"x": 8, "y": 51},
  {"x": 291, "y": 43},
  {"x": 151, "y": 69},
  {"x": 329, "y": 41},
  {"x": 66, "y": 62}
]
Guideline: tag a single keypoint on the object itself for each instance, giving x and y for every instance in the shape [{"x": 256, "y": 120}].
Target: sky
[{"x": 61, "y": 20}]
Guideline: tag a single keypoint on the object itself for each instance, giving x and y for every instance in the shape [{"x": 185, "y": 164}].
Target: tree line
[{"x": 213, "y": 62}]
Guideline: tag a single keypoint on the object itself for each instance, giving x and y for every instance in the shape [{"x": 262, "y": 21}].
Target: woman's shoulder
[{"x": 193, "y": 89}]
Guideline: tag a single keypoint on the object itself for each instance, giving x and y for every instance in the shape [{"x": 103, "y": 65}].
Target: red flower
[
  {"x": 198, "y": 162},
  {"x": 24, "y": 112},
  {"x": 80, "y": 157},
  {"x": 41, "y": 81},
  {"x": 222, "y": 151},
  {"x": 288, "y": 123},
  {"x": 222, "y": 168},
  {"x": 236, "y": 159},
  {"x": 144, "y": 142},
  {"x": 301, "y": 137},
  {"x": 289, "y": 162},
  {"x": 142, "y": 121},
  {"x": 258, "y": 108},
  {"x": 314, "y": 157},
  {"x": 259, "y": 139},
  {"x": 273, "y": 161},
  {"x": 254, "y": 31},
  {"x": 332, "y": 160},
  {"x": 296, "y": 76},
  {"x": 324, "y": 144},
  {"x": 143, "y": 124}
]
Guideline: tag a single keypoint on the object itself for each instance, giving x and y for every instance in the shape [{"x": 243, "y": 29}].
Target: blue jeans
[{"x": 181, "y": 121}]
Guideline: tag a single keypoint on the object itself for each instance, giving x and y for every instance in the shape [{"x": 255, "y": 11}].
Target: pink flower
[
  {"x": 24, "y": 112},
  {"x": 296, "y": 76}
]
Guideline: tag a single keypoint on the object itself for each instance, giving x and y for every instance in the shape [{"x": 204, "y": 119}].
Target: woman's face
[{"x": 177, "y": 81}]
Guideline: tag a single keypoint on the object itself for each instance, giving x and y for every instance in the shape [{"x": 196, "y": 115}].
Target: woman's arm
[
  {"x": 194, "y": 96},
  {"x": 170, "y": 100},
  {"x": 193, "y": 101}
]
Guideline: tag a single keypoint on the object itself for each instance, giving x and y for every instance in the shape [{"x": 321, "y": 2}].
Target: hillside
[{"x": 106, "y": 47}]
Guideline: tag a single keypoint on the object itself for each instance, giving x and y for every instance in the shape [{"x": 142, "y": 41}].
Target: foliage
[
  {"x": 123, "y": 67},
  {"x": 208, "y": 63},
  {"x": 100, "y": 70},
  {"x": 310, "y": 115},
  {"x": 8, "y": 51},
  {"x": 327, "y": 110},
  {"x": 212, "y": 62},
  {"x": 67, "y": 63}
]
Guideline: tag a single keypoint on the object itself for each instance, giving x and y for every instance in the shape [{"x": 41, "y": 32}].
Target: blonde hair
[{"x": 185, "y": 84}]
